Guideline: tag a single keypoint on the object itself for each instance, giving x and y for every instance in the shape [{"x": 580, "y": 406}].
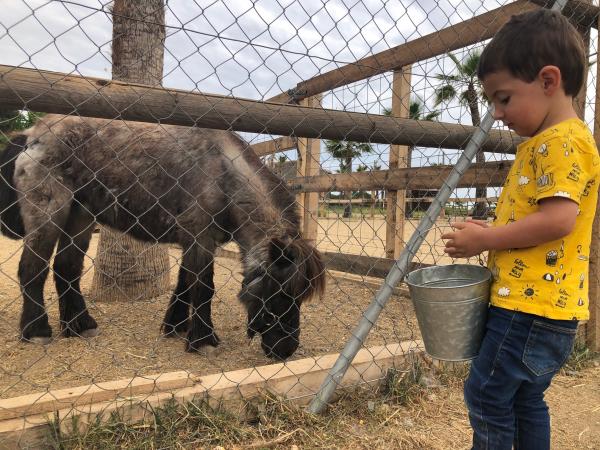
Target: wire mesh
[{"x": 164, "y": 122}]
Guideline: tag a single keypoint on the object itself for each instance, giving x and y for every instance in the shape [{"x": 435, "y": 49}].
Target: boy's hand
[{"x": 467, "y": 239}]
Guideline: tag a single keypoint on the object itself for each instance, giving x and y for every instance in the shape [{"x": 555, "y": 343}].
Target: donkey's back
[{"x": 152, "y": 181}]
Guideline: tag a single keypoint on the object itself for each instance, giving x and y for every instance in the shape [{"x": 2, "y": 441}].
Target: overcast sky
[{"x": 252, "y": 49}]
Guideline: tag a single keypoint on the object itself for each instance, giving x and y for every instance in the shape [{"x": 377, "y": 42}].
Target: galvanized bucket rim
[
  {"x": 483, "y": 280},
  {"x": 455, "y": 302}
]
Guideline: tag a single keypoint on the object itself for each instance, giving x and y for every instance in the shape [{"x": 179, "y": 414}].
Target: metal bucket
[{"x": 451, "y": 303}]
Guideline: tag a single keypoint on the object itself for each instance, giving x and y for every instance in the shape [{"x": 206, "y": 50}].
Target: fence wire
[{"x": 199, "y": 172}]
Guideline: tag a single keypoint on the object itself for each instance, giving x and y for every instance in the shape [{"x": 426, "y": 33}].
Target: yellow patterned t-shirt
[{"x": 550, "y": 279}]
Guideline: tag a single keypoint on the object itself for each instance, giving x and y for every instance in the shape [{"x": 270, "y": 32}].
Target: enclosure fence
[{"x": 198, "y": 171}]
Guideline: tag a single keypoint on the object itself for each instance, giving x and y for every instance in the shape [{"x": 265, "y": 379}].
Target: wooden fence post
[
  {"x": 309, "y": 164},
  {"x": 593, "y": 325},
  {"x": 396, "y": 200}
]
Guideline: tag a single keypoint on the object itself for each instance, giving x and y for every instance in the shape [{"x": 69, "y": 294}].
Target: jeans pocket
[{"x": 547, "y": 348}]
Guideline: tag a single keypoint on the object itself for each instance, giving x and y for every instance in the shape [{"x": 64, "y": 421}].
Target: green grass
[
  {"x": 581, "y": 358},
  {"x": 192, "y": 423}
]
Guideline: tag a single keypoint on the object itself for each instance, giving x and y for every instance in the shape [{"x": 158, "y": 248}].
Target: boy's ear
[{"x": 551, "y": 79}]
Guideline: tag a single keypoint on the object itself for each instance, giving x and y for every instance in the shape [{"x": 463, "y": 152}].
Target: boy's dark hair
[{"x": 532, "y": 40}]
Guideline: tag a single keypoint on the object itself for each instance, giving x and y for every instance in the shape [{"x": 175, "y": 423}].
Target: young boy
[{"x": 539, "y": 241}]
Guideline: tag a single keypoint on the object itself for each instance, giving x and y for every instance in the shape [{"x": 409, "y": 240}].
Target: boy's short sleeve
[{"x": 561, "y": 169}]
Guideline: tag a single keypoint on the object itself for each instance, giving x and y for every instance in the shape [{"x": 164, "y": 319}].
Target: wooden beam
[
  {"x": 478, "y": 175},
  {"x": 398, "y": 158},
  {"x": 592, "y": 330},
  {"x": 45, "y": 402},
  {"x": 366, "y": 202},
  {"x": 451, "y": 38},
  {"x": 309, "y": 164},
  {"x": 457, "y": 36},
  {"x": 369, "y": 266},
  {"x": 54, "y": 92},
  {"x": 26, "y": 432},
  {"x": 368, "y": 281},
  {"x": 363, "y": 265},
  {"x": 297, "y": 380},
  {"x": 271, "y": 146}
]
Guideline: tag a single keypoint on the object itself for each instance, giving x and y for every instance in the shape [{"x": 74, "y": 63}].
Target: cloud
[{"x": 56, "y": 36}]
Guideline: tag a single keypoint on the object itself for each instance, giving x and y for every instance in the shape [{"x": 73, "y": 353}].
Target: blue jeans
[{"x": 504, "y": 392}]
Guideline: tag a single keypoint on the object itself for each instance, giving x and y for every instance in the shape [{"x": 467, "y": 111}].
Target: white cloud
[{"x": 56, "y": 36}]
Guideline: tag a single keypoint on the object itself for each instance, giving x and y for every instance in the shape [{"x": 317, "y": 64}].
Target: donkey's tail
[{"x": 11, "y": 223}]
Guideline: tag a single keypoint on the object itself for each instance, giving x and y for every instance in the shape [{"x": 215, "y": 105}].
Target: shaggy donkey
[{"x": 195, "y": 187}]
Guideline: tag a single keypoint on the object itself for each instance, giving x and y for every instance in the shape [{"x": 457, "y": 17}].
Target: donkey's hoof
[
  {"x": 38, "y": 340},
  {"x": 90, "y": 333},
  {"x": 202, "y": 345},
  {"x": 83, "y": 326},
  {"x": 38, "y": 334},
  {"x": 175, "y": 331}
]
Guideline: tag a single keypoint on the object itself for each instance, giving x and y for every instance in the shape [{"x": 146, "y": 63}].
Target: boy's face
[{"x": 523, "y": 107}]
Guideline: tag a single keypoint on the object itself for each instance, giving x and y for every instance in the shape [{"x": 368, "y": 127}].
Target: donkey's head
[{"x": 279, "y": 275}]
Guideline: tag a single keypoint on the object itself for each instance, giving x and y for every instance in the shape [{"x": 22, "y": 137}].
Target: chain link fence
[{"x": 200, "y": 171}]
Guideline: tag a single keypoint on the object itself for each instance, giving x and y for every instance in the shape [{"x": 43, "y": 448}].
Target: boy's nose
[{"x": 498, "y": 114}]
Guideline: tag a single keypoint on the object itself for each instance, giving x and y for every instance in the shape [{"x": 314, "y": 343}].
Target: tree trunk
[
  {"x": 125, "y": 268},
  {"x": 348, "y": 208},
  {"x": 409, "y": 206},
  {"x": 480, "y": 207}
]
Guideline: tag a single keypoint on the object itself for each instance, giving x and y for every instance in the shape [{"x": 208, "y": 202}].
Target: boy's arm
[{"x": 554, "y": 219}]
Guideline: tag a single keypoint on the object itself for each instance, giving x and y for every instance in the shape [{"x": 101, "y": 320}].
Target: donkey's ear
[{"x": 282, "y": 253}]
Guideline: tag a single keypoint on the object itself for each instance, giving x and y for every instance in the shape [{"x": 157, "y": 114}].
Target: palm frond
[
  {"x": 415, "y": 110},
  {"x": 471, "y": 63},
  {"x": 455, "y": 60},
  {"x": 432, "y": 115},
  {"x": 444, "y": 94},
  {"x": 449, "y": 78}
]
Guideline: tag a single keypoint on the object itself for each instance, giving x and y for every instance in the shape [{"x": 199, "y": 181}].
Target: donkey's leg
[
  {"x": 41, "y": 236},
  {"x": 45, "y": 204},
  {"x": 199, "y": 262},
  {"x": 75, "y": 319},
  {"x": 176, "y": 320},
  {"x": 33, "y": 271}
]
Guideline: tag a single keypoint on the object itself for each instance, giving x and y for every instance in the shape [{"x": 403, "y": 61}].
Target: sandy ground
[
  {"x": 130, "y": 343},
  {"x": 438, "y": 419},
  {"x": 367, "y": 237}
]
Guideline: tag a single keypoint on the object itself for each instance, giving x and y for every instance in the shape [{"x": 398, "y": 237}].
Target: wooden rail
[
  {"x": 297, "y": 380},
  {"x": 457, "y": 36},
  {"x": 451, "y": 38},
  {"x": 274, "y": 145},
  {"x": 478, "y": 175},
  {"x": 60, "y": 93}
]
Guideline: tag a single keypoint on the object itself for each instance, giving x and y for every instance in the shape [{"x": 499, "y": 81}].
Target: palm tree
[
  {"x": 373, "y": 194},
  {"x": 345, "y": 152},
  {"x": 125, "y": 267},
  {"x": 464, "y": 86},
  {"x": 416, "y": 111},
  {"x": 15, "y": 121}
]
